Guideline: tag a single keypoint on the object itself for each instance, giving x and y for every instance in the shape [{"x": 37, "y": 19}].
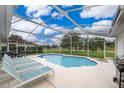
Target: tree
[
  {"x": 16, "y": 38},
  {"x": 81, "y": 43},
  {"x": 76, "y": 41},
  {"x": 95, "y": 43}
]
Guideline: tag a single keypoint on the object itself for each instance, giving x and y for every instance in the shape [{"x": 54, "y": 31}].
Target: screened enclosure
[{"x": 82, "y": 30}]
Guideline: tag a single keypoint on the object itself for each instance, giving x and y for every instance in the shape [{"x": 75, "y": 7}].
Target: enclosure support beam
[
  {"x": 57, "y": 49},
  {"x": 25, "y": 48},
  {"x": 60, "y": 49},
  {"x": 45, "y": 49},
  {"x": 36, "y": 49},
  {"x": 104, "y": 49},
  {"x": 66, "y": 15},
  {"x": 17, "y": 47},
  {"x": 7, "y": 45},
  {"x": 41, "y": 24},
  {"x": 17, "y": 21},
  {"x": 7, "y": 39},
  {"x": 87, "y": 46},
  {"x": 48, "y": 36},
  {"x": 31, "y": 32},
  {"x": 71, "y": 44}
]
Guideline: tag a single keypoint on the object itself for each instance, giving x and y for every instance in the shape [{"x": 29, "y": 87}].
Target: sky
[{"x": 94, "y": 18}]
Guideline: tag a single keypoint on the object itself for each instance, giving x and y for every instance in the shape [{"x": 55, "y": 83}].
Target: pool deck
[{"x": 99, "y": 76}]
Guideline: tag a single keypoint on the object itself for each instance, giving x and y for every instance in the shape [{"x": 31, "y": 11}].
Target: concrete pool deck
[{"x": 99, "y": 76}]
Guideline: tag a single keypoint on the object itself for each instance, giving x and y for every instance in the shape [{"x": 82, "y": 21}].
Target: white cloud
[
  {"x": 57, "y": 15},
  {"x": 24, "y": 25},
  {"x": 48, "y": 31},
  {"x": 103, "y": 22},
  {"x": 53, "y": 25},
  {"x": 103, "y": 25},
  {"x": 56, "y": 42},
  {"x": 31, "y": 38},
  {"x": 63, "y": 29},
  {"x": 38, "y": 10},
  {"x": 59, "y": 28},
  {"x": 38, "y": 20},
  {"x": 38, "y": 29},
  {"x": 54, "y": 14},
  {"x": 42, "y": 10},
  {"x": 77, "y": 30},
  {"x": 66, "y": 6},
  {"x": 99, "y": 12},
  {"x": 15, "y": 19},
  {"x": 27, "y": 27},
  {"x": 59, "y": 36}
]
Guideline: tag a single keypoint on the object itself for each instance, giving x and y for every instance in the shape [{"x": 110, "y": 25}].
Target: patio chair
[
  {"x": 21, "y": 62},
  {"x": 19, "y": 59},
  {"x": 26, "y": 76},
  {"x": 20, "y": 68},
  {"x": 24, "y": 66},
  {"x": 22, "y": 58}
]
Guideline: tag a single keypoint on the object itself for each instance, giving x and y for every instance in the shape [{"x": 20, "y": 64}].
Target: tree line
[{"x": 78, "y": 43}]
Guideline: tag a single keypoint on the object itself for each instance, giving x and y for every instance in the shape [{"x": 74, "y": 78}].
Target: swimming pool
[{"x": 68, "y": 61}]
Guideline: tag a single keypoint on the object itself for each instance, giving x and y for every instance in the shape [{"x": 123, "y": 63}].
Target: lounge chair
[
  {"x": 19, "y": 63},
  {"x": 23, "y": 58},
  {"x": 19, "y": 59},
  {"x": 26, "y": 76},
  {"x": 20, "y": 68}
]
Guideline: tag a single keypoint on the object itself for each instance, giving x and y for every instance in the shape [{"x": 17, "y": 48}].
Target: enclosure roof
[{"x": 47, "y": 24}]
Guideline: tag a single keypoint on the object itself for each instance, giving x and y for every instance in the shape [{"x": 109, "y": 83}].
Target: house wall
[
  {"x": 118, "y": 32},
  {"x": 120, "y": 44},
  {"x": 120, "y": 40},
  {"x": 120, "y": 49},
  {"x": 5, "y": 21}
]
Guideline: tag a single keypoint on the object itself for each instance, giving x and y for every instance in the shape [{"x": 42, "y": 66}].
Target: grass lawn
[{"x": 96, "y": 54}]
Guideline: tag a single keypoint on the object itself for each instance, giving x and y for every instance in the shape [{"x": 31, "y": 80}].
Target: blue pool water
[{"x": 68, "y": 61}]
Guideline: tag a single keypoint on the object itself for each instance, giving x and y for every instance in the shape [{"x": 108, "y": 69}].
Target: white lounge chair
[
  {"x": 22, "y": 68},
  {"x": 25, "y": 76},
  {"x": 24, "y": 59},
  {"x": 25, "y": 66},
  {"x": 21, "y": 62}
]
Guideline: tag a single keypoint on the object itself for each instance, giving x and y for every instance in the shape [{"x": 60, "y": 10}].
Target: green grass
[
  {"x": 110, "y": 54},
  {"x": 96, "y": 54},
  {"x": 79, "y": 52}
]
